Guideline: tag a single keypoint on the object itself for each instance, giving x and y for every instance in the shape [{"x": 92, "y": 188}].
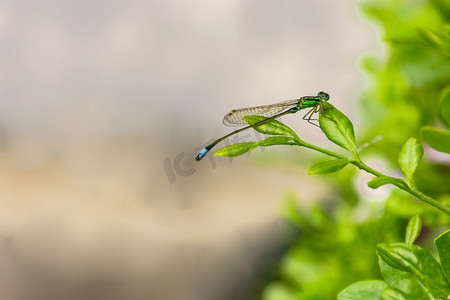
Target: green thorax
[{"x": 309, "y": 103}]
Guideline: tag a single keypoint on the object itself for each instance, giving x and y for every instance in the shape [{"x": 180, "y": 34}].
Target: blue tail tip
[{"x": 201, "y": 154}]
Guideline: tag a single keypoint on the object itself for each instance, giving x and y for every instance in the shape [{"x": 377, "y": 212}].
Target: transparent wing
[{"x": 234, "y": 117}]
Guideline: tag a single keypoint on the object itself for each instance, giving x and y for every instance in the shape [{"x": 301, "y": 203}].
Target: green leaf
[
  {"x": 383, "y": 180},
  {"x": 272, "y": 127},
  {"x": 412, "y": 270},
  {"x": 443, "y": 246},
  {"x": 413, "y": 230},
  {"x": 398, "y": 256},
  {"x": 277, "y": 140},
  {"x": 236, "y": 149},
  {"x": 403, "y": 281},
  {"x": 393, "y": 294},
  {"x": 337, "y": 127},
  {"x": 253, "y": 119},
  {"x": 433, "y": 277},
  {"x": 409, "y": 157},
  {"x": 367, "y": 290},
  {"x": 242, "y": 148},
  {"x": 437, "y": 139},
  {"x": 444, "y": 107},
  {"x": 328, "y": 166}
]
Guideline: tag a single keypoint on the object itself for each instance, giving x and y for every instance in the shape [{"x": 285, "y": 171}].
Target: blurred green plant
[
  {"x": 409, "y": 272},
  {"x": 439, "y": 139},
  {"x": 406, "y": 98},
  {"x": 339, "y": 129}
]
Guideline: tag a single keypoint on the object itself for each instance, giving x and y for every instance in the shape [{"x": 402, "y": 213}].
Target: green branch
[
  {"x": 395, "y": 181},
  {"x": 338, "y": 129}
]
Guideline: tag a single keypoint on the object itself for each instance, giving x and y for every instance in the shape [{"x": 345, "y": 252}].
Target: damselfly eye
[{"x": 324, "y": 96}]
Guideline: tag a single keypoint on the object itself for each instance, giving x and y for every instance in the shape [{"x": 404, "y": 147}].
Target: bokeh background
[{"x": 104, "y": 105}]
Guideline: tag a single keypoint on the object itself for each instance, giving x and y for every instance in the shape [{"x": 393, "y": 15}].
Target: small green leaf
[
  {"x": 383, "y": 180},
  {"x": 398, "y": 256},
  {"x": 277, "y": 140},
  {"x": 328, "y": 166},
  {"x": 367, "y": 290},
  {"x": 443, "y": 246},
  {"x": 437, "y": 139},
  {"x": 236, "y": 149},
  {"x": 337, "y": 127},
  {"x": 242, "y": 148},
  {"x": 272, "y": 127},
  {"x": 444, "y": 107},
  {"x": 393, "y": 294},
  {"x": 409, "y": 157},
  {"x": 253, "y": 119},
  {"x": 413, "y": 230}
]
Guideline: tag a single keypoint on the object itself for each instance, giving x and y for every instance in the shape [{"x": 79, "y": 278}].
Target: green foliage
[
  {"x": 242, "y": 148},
  {"x": 404, "y": 89},
  {"x": 383, "y": 180},
  {"x": 407, "y": 98},
  {"x": 436, "y": 138},
  {"x": 407, "y": 95},
  {"x": 328, "y": 166},
  {"x": 393, "y": 294},
  {"x": 439, "y": 139},
  {"x": 443, "y": 246},
  {"x": 335, "y": 250},
  {"x": 236, "y": 149},
  {"x": 410, "y": 157},
  {"x": 277, "y": 140},
  {"x": 272, "y": 127},
  {"x": 337, "y": 127},
  {"x": 444, "y": 107},
  {"x": 284, "y": 136},
  {"x": 413, "y": 230},
  {"x": 369, "y": 289},
  {"x": 412, "y": 272},
  {"x": 401, "y": 264}
]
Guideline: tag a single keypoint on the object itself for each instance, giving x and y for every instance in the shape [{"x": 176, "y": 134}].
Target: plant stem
[
  {"x": 322, "y": 150},
  {"x": 362, "y": 166},
  {"x": 429, "y": 200},
  {"x": 366, "y": 168},
  {"x": 411, "y": 190}
]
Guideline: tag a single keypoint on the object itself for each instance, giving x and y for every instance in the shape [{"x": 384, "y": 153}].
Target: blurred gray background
[{"x": 104, "y": 105}]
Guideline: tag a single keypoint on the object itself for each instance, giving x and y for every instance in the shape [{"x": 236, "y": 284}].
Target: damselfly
[{"x": 235, "y": 117}]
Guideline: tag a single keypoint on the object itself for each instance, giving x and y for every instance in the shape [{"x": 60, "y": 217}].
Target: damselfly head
[{"x": 324, "y": 96}]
